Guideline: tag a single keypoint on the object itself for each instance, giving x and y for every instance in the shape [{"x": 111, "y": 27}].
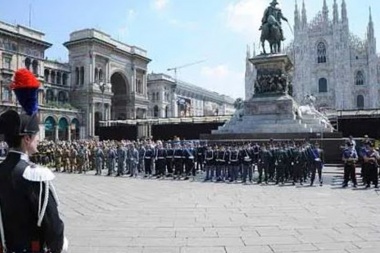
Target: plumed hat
[{"x": 25, "y": 86}]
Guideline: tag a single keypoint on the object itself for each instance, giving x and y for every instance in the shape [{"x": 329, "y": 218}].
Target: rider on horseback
[{"x": 272, "y": 17}]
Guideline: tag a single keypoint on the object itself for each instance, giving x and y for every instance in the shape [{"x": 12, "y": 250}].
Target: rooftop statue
[{"x": 271, "y": 29}]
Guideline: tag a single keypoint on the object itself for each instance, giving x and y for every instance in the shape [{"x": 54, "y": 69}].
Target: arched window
[
  {"x": 77, "y": 76},
  {"x": 82, "y": 75},
  {"x": 360, "y": 101},
  {"x": 359, "y": 78},
  {"x": 35, "y": 67},
  {"x": 321, "y": 52},
  {"x": 27, "y": 63},
  {"x": 322, "y": 85},
  {"x": 155, "y": 111},
  {"x": 46, "y": 74}
]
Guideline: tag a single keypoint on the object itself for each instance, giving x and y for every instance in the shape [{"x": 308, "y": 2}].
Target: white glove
[{"x": 65, "y": 246}]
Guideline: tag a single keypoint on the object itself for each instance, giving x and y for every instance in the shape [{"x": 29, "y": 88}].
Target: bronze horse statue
[{"x": 272, "y": 34}]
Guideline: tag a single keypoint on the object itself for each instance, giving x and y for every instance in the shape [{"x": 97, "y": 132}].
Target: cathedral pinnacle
[
  {"x": 325, "y": 11},
  {"x": 304, "y": 18},
  {"x": 371, "y": 30},
  {"x": 296, "y": 17},
  {"x": 344, "y": 11},
  {"x": 335, "y": 13}
]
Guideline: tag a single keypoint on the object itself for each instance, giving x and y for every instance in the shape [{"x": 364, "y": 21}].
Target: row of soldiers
[
  {"x": 274, "y": 161},
  {"x": 277, "y": 162}
]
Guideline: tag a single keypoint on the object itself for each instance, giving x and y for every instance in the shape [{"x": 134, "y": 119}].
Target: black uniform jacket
[{"x": 19, "y": 203}]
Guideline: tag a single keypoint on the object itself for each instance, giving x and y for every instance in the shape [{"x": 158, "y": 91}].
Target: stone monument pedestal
[{"x": 272, "y": 111}]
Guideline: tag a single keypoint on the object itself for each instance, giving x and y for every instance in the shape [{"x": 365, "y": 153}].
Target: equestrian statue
[{"x": 271, "y": 29}]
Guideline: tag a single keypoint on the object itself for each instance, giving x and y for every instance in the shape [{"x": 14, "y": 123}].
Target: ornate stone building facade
[
  {"x": 23, "y": 47},
  {"x": 341, "y": 70},
  {"x": 109, "y": 78},
  {"x": 175, "y": 98},
  {"x": 104, "y": 80}
]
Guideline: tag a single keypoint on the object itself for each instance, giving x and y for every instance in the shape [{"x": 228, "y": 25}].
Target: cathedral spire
[
  {"x": 370, "y": 29},
  {"x": 325, "y": 11},
  {"x": 248, "y": 52},
  {"x": 344, "y": 11},
  {"x": 296, "y": 17},
  {"x": 304, "y": 18},
  {"x": 335, "y": 13}
]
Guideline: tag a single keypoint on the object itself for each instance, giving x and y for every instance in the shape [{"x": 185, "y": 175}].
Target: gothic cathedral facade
[{"x": 341, "y": 70}]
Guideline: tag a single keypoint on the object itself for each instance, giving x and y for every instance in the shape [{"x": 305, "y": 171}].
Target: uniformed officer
[
  {"x": 29, "y": 217},
  {"x": 350, "y": 157},
  {"x": 371, "y": 158},
  {"x": 160, "y": 159}
]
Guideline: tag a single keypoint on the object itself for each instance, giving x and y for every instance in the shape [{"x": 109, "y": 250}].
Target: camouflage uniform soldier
[
  {"x": 58, "y": 158},
  {"x": 81, "y": 159},
  {"x": 73, "y": 159},
  {"x": 66, "y": 159}
]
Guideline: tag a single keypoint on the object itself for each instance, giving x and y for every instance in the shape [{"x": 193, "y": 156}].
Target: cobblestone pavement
[{"x": 109, "y": 214}]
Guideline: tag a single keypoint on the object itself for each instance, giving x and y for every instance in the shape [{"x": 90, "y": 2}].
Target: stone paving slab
[{"x": 108, "y": 214}]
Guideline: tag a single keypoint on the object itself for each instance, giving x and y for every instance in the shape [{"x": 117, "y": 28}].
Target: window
[
  {"x": 155, "y": 111},
  {"x": 158, "y": 96},
  {"x": 359, "y": 78},
  {"x": 100, "y": 75},
  {"x": 61, "y": 97},
  {"x": 27, "y": 63},
  {"x": 58, "y": 77},
  {"x": 46, "y": 74},
  {"x": 96, "y": 77},
  {"x": 77, "y": 76},
  {"x": 7, "y": 62},
  {"x": 35, "y": 67},
  {"x": 82, "y": 75},
  {"x": 64, "y": 79},
  {"x": 322, "y": 85},
  {"x": 49, "y": 96},
  {"x": 139, "y": 86},
  {"x": 52, "y": 78},
  {"x": 321, "y": 52},
  {"x": 360, "y": 101},
  {"x": 5, "y": 94}
]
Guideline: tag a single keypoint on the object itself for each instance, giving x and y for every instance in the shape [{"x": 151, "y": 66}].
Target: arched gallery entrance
[
  {"x": 121, "y": 91},
  {"x": 50, "y": 124}
]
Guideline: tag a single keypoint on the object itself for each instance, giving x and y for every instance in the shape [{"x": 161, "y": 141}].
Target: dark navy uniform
[{"x": 20, "y": 193}]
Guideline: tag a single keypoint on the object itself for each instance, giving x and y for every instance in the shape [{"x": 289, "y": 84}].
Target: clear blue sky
[{"x": 176, "y": 32}]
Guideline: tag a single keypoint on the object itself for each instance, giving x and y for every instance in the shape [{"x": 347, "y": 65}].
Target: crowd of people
[{"x": 277, "y": 162}]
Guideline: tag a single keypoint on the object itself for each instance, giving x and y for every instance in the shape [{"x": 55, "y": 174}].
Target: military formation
[
  {"x": 277, "y": 162},
  {"x": 272, "y": 162}
]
